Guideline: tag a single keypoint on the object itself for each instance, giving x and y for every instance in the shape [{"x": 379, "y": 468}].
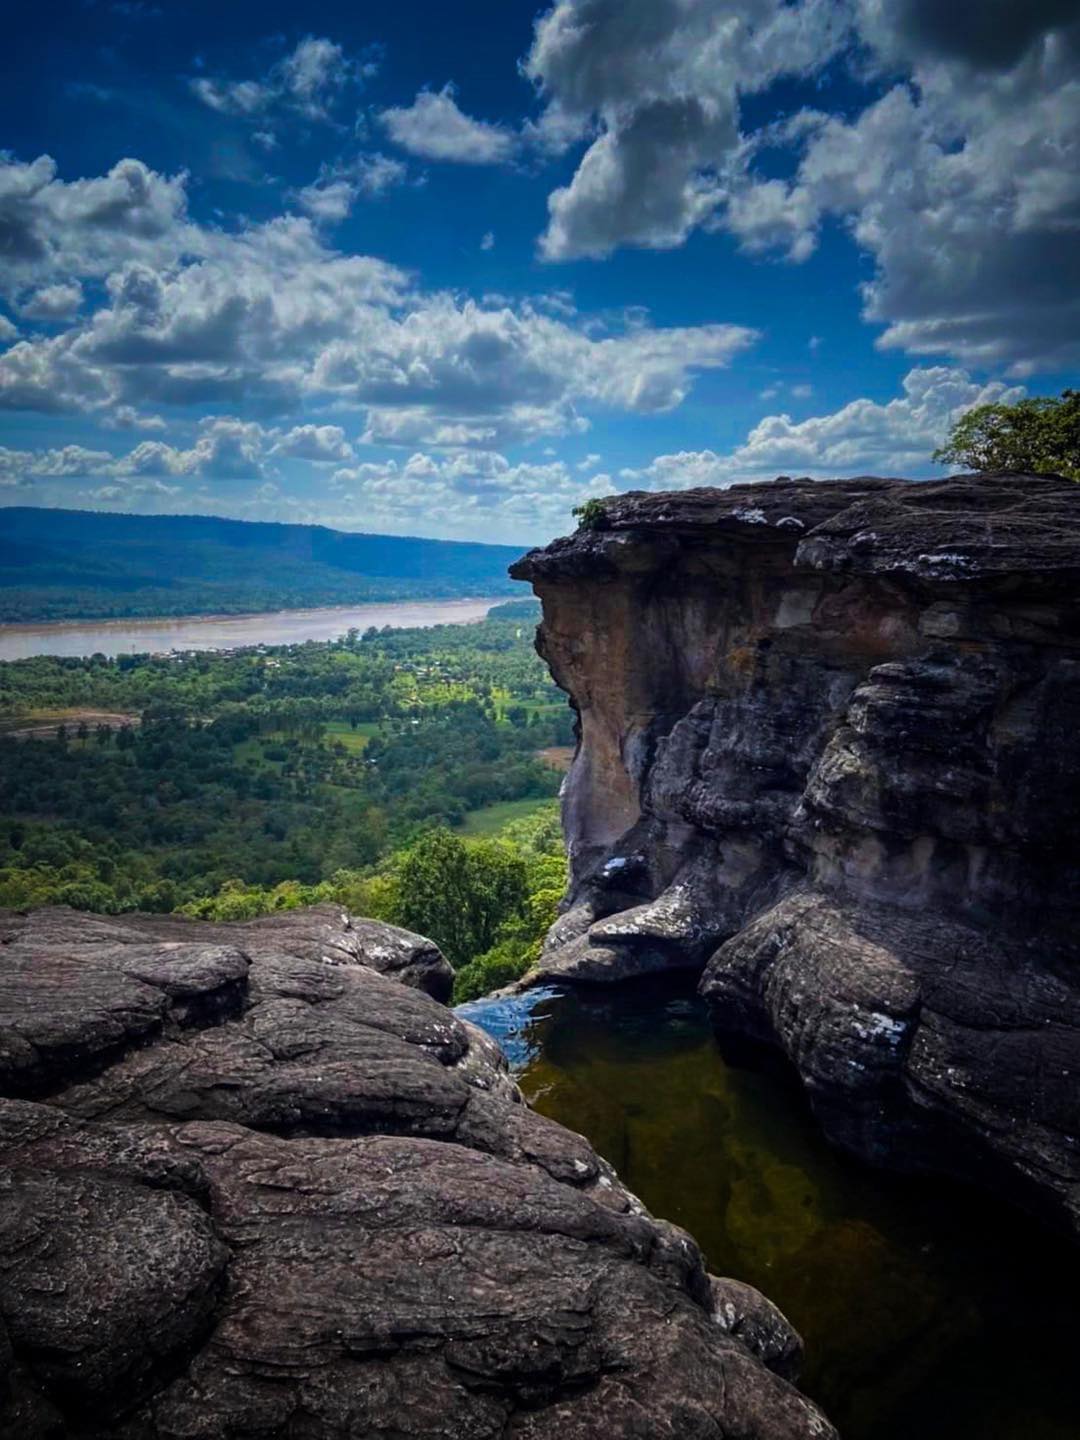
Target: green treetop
[{"x": 1039, "y": 436}]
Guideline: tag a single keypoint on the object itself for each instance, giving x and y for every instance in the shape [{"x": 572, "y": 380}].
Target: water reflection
[{"x": 926, "y": 1309}]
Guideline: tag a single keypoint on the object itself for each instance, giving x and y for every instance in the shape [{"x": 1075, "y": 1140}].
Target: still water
[
  {"x": 229, "y": 632},
  {"x": 929, "y": 1311}
]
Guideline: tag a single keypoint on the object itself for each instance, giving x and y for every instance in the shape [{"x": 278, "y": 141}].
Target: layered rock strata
[
  {"x": 254, "y": 1182},
  {"x": 828, "y": 754}
]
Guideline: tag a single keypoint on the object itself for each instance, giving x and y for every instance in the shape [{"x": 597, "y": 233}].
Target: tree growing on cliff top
[
  {"x": 590, "y": 516},
  {"x": 1039, "y": 436}
]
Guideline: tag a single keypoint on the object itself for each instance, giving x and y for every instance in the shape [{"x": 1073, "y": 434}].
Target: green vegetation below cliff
[{"x": 230, "y": 785}]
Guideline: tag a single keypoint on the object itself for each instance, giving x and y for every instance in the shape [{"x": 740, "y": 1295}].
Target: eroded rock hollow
[
  {"x": 255, "y": 1182},
  {"x": 829, "y": 756}
]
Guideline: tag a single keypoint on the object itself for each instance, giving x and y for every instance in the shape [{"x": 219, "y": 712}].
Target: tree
[
  {"x": 460, "y": 893},
  {"x": 591, "y": 515},
  {"x": 1040, "y": 436}
]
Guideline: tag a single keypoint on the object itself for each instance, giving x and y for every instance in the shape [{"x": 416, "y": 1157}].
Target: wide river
[
  {"x": 230, "y": 632},
  {"x": 929, "y": 1311}
]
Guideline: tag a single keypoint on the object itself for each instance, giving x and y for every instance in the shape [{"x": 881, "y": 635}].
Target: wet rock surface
[
  {"x": 252, "y": 1184},
  {"x": 828, "y": 754}
]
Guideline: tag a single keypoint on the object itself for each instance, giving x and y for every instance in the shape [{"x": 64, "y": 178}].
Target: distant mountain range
[{"x": 68, "y": 564}]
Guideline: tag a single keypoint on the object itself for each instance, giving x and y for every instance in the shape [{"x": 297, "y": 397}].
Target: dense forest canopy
[
  {"x": 226, "y": 785},
  {"x": 66, "y": 564}
]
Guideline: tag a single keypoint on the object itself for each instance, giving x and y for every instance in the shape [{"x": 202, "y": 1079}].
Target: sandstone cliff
[
  {"x": 829, "y": 755},
  {"x": 256, "y": 1183}
]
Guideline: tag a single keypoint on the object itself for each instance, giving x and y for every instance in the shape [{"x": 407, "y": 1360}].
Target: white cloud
[
  {"x": 509, "y": 370},
  {"x": 895, "y": 438},
  {"x": 331, "y": 197},
  {"x": 435, "y": 128},
  {"x": 961, "y": 181},
  {"x": 272, "y": 317},
  {"x": 55, "y": 231},
  {"x": 226, "y": 449},
  {"x": 376, "y": 173},
  {"x": 53, "y": 302},
  {"x": 657, "y": 84},
  {"x": 233, "y": 466},
  {"x": 511, "y": 501},
  {"x": 487, "y": 241},
  {"x": 126, "y": 417},
  {"x": 327, "y": 200},
  {"x": 17, "y": 465},
  {"x": 313, "y": 72},
  {"x": 321, "y": 444},
  {"x": 241, "y": 97},
  {"x": 309, "y": 79},
  {"x": 8, "y": 330}
]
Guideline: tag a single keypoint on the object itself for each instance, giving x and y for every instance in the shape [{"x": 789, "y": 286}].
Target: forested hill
[{"x": 60, "y": 564}]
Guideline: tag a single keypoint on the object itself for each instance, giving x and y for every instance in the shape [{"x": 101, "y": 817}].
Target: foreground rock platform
[
  {"x": 255, "y": 1182},
  {"x": 829, "y": 755}
]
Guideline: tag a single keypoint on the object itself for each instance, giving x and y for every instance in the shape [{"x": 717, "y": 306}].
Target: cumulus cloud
[
  {"x": 968, "y": 198},
  {"x": 24, "y": 465},
  {"x": 321, "y": 444},
  {"x": 894, "y": 438},
  {"x": 435, "y": 128},
  {"x": 960, "y": 179},
  {"x": 225, "y": 448},
  {"x": 272, "y": 317},
  {"x": 53, "y": 230},
  {"x": 126, "y": 417},
  {"x": 327, "y": 200},
  {"x": 658, "y": 86},
  {"x": 509, "y": 371},
  {"x": 465, "y": 490},
  {"x": 53, "y": 302}
]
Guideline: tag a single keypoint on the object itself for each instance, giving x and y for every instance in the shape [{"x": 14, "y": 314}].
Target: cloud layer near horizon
[{"x": 481, "y": 493}]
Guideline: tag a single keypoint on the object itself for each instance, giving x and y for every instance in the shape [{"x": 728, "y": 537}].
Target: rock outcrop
[
  {"x": 829, "y": 754},
  {"x": 254, "y": 1185}
]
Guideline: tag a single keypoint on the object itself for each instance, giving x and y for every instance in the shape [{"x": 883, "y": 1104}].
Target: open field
[
  {"x": 492, "y": 818},
  {"x": 43, "y": 724},
  {"x": 353, "y": 737},
  {"x": 559, "y": 757}
]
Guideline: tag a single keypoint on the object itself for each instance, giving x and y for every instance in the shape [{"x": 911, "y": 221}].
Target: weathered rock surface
[
  {"x": 829, "y": 755},
  {"x": 252, "y": 1185}
]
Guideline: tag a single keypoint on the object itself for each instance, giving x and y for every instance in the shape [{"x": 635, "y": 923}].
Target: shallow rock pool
[{"x": 928, "y": 1310}]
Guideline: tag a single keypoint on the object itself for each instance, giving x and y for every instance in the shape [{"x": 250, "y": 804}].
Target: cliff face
[
  {"x": 254, "y": 1182},
  {"x": 829, "y": 755}
]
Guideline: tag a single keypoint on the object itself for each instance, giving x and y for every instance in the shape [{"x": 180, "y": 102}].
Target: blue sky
[{"x": 450, "y": 270}]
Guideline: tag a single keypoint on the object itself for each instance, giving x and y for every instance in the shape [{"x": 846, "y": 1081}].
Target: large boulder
[
  {"x": 253, "y": 1185},
  {"x": 829, "y": 756}
]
